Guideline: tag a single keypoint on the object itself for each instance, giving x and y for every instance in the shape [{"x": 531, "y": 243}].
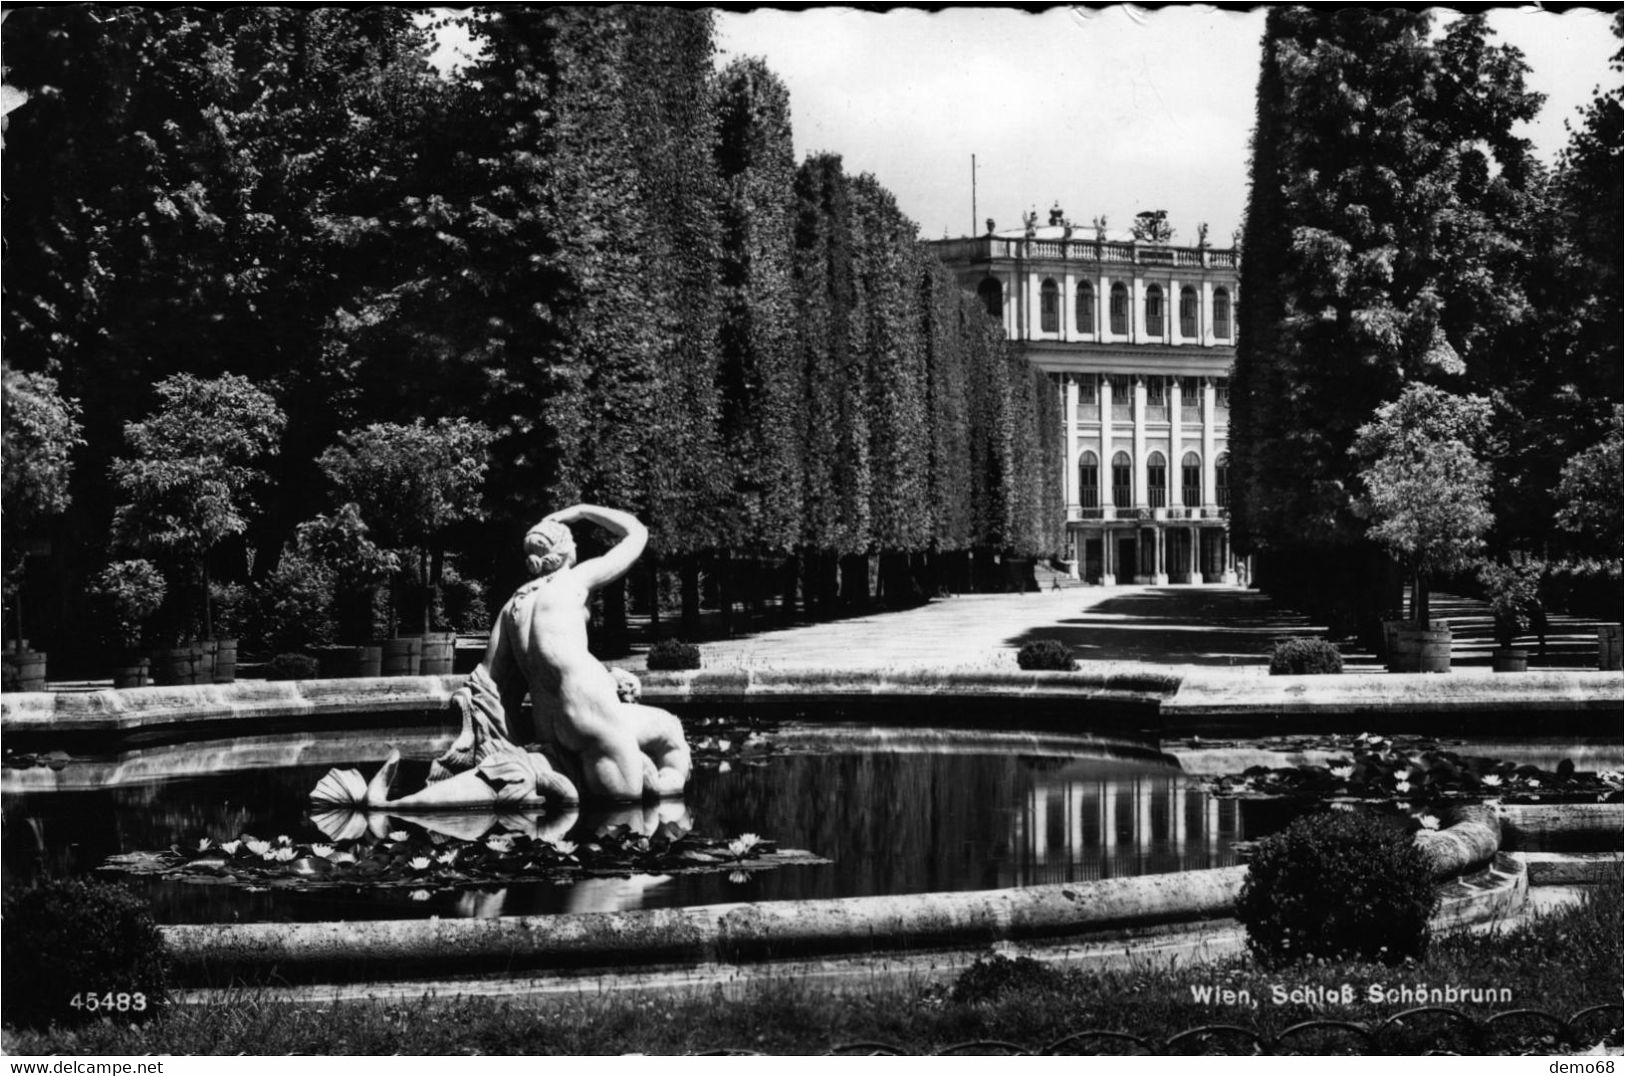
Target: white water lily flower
[
  {"x": 742, "y": 844},
  {"x": 1403, "y": 775},
  {"x": 230, "y": 847},
  {"x": 420, "y": 894},
  {"x": 501, "y": 842},
  {"x": 284, "y": 839},
  {"x": 259, "y": 848},
  {"x": 418, "y": 863},
  {"x": 398, "y": 835},
  {"x": 1534, "y": 783},
  {"x": 1492, "y": 779},
  {"x": 284, "y": 854},
  {"x": 1428, "y": 821},
  {"x": 565, "y": 848},
  {"x": 1342, "y": 773},
  {"x": 1402, "y": 786},
  {"x": 1342, "y": 806},
  {"x": 447, "y": 858},
  {"x": 323, "y": 850},
  {"x": 204, "y": 845}
]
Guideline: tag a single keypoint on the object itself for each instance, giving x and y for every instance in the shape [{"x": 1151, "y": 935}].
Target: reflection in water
[
  {"x": 1078, "y": 828},
  {"x": 893, "y": 823}
]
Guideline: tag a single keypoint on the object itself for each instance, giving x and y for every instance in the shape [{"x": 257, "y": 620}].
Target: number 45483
[{"x": 108, "y": 1002}]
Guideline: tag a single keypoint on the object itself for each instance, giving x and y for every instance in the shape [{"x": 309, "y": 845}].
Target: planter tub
[
  {"x": 24, "y": 668},
  {"x": 402, "y": 656},
  {"x": 438, "y": 650},
  {"x": 1509, "y": 659},
  {"x": 225, "y": 661},
  {"x": 1421, "y": 651},
  {"x": 180, "y": 665},
  {"x": 131, "y": 671},
  {"x": 1608, "y": 655}
]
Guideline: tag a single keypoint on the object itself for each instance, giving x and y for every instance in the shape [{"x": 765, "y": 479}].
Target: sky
[{"x": 1104, "y": 110}]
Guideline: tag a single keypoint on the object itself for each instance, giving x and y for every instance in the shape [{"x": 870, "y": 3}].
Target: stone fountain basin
[{"x": 1149, "y": 696}]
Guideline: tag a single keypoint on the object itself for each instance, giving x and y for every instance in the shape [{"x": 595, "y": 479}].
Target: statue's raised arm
[{"x": 603, "y": 570}]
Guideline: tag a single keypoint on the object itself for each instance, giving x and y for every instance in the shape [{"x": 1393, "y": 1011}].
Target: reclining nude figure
[{"x": 585, "y": 733}]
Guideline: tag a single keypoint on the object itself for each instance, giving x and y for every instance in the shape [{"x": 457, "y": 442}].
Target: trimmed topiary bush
[
  {"x": 292, "y": 667},
  {"x": 1046, "y": 654},
  {"x": 1337, "y": 885},
  {"x": 1299, "y": 657},
  {"x": 673, "y": 654},
  {"x": 78, "y": 950}
]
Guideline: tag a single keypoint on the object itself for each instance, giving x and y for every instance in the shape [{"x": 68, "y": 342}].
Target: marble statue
[{"x": 585, "y": 732}]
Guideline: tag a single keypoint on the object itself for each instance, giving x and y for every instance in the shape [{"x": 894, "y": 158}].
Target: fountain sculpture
[{"x": 585, "y": 733}]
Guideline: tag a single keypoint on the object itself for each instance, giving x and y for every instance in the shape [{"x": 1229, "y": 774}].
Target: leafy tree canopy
[
  {"x": 38, "y": 433},
  {"x": 189, "y": 480}
]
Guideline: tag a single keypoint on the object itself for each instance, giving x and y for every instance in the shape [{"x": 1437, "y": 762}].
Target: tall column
[
  {"x": 1038, "y": 808},
  {"x": 1103, "y": 307},
  {"x": 1196, "y": 555},
  {"x": 1136, "y": 309},
  {"x": 1209, "y": 440},
  {"x": 1140, "y": 497},
  {"x": 1110, "y": 815},
  {"x": 1204, "y": 314},
  {"x": 1069, "y": 443},
  {"x": 1069, "y": 305},
  {"x": 1176, "y": 441},
  {"x": 1107, "y": 496}
]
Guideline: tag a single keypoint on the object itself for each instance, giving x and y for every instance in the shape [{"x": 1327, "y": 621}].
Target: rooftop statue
[{"x": 585, "y": 733}]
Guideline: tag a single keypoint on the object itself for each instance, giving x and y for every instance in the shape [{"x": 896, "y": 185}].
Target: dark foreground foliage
[
  {"x": 1336, "y": 885},
  {"x": 1562, "y": 963},
  {"x": 77, "y": 949}
]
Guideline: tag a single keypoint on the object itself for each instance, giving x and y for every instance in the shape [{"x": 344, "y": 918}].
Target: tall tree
[
  {"x": 1384, "y": 178},
  {"x": 763, "y": 384}
]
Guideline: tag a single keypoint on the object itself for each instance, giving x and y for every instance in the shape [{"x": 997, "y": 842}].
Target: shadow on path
[{"x": 1177, "y": 626}]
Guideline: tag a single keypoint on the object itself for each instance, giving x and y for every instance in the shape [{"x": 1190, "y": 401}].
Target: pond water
[{"x": 895, "y": 813}]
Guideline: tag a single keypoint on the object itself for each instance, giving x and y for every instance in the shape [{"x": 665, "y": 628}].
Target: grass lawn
[{"x": 1562, "y": 963}]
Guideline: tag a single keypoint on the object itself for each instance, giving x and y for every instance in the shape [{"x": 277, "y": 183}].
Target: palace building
[{"x": 1139, "y": 337}]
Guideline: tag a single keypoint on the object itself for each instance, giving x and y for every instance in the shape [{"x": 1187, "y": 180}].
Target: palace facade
[{"x": 1139, "y": 337}]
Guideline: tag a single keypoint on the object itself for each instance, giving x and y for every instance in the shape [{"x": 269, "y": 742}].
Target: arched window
[
  {"x": 1221, "y": 479},
  {"x": 1221, "y": 314},
  {"x": 1085, "y": 314},
  {"x": 1156, "y": 480},
  {"x": 1049, "y": 307},
  {"x": 1187, "y": 313},
  {"x": 991, "y": 292},
  {"x": 1122, "y": 479},
  {"x": 1153, "y": 311},
  {"x": 1191, "y": 479},
  {"x": 1089, "y": 481},
  {"x": 1119, "y": 310}
]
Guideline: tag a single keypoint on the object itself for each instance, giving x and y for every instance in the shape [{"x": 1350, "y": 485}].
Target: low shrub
[
  {"x": 1050, "y": 654},
  {"x": 78, "y": 950},
  {"x": 673, "y": 654},
  {"x": 292, "y": 667},
  {"x": 292, "y": 606},
  {"x": 1299, "y": 657},
  {"x": 1337, "y": 885},
  {"x": 992, "y": 978}
]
